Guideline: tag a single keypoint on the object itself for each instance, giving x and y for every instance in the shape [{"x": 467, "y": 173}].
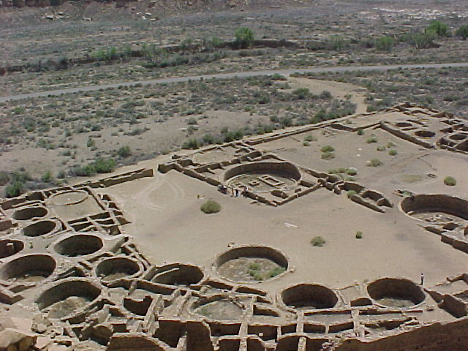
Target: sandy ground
[{"x": 169, "y": 226}]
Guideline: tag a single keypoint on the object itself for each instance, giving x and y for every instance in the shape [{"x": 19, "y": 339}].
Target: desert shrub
[
  {"x": 439, "y": 28},
  {"x": 360, "y": 131},
  {"x": 256, "y": 275},
  {"x": 244, "y": 37},
  {"x": 327, "y": 148},
  {"x": 191, "y": 144},
  {"x": 351, "y": 193},
  {"x": 90, "y": 143},
  {"x": 392, "y": 152},
  {"x": 4, "y": 178},
  {"x": 104, "y": 166},
  {"x": 318, "y": 241},
  {"x": 325, "y": 95},
  {"x": 351, "y": 171},
  {"x": 192, "y": 121},
  {"x": 358, "y": 235},
  {"x": 381, "y": 148},
  {"x": 254, "y": 266},
  {"x": 385, "y": 43},
  {"x": 450, "y": 181},
  {"x": 15, "y": 188},
  {"x": 462, "y": 32},
  {"x": 124, "y": 151},
  {"x": 278, "y": 76},
  {"x": 328, "y": 156},
  {"x": 301, "y": 93},
  {"x": 47, "y": 177},
  {"x": 375, "y": 162},
  {"x": 310, "y": 138},
  {"x": 390, "y": 144},
  {"x": 306, "y": 143},
  {"x": 372, "y": 139},
  {"x": 210, "y": 206}
]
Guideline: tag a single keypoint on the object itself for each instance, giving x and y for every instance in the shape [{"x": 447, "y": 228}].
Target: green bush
[
  {"x": 350, "y": 193},
  {"x": 318, "y": 241},
  {"x": 392, "y": 152},
  {"x": 358, "y": 235},
  {"x": 306, "y": 143},
  {"x": 210, "y": 206},
  {"x": 328, "y": 156},
  {"x": 327, "y": 148},
  {"x": 372, "y": 139},
  {"x": 462, "y": 32},
  {"x": 244, "y": 37},
  {"x": 375, "y": 162},
  {"x": 301, "y": 93},
  {"x": 124, "y": 151},
  {"x": 450, "y": 181},
  {"x": 310, "y": 138},
  {"x": 360, "y": 131},
  {"x": 351, "y": 171},
  {"x": 47, "y": 177},
  {"x": 14, "y": 189},
  {"x": 385, "y": 43},
  {"x": 381, "y": 148},
  {"x": 104, "y": 166},
  {"x": 276, "y": 271},
  {"x": 439, "y": 28}
]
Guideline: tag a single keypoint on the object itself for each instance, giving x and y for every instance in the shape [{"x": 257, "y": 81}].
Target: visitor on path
[{"x": 422, "y": 279}]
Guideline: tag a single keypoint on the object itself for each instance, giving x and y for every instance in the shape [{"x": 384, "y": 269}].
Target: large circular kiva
[
  {"x": 398, "y": 293},
  {"x": 67, "y": 298},
  {"x": 29, "y": 213},
  {"x": 263, "y": 176},
  {"x": 251, "y": 264},
  {"x": 309, "y": 296},
  {"x": 40, "y": 228},
  {"x": 79, "y": 245},
  {"x": 218, "y": 309},
  {"x": 28, "y": 269},
  {"x": 178, "y": 274},
  {"x": 67, "y": 198},
  {"x": 424, "y": 205},
  {"x": 117, "y": 268},
  {"x": 10, "y": 247}
]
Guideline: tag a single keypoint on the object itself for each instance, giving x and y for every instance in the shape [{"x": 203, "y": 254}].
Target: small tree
[
  {"x": 463, "y": 32},
  {"x": 244, "y": 37}
]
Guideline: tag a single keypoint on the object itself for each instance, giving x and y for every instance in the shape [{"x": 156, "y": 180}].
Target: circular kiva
[
  {"x": 10, "y": 247},
  {"x": 218, "y": 308},
  {"x": 263, "y": 176},
  {"x": 309, "y": 296},
  {"x": 40, "y": 228},
  {"x": 67, "y": 198},
  {"x": 178, "y": 274},
  {"x": 30, "y": 212},
  {"x": 79, "y": 245},
  {"x": 67, "y": 298},
  {"x": 458, "y": 136},
  {"x": 393, "y": 292},
  {"x": 435, "y": 203},
  {"x": 424, "y": 134},
  {"x": 28, "y": 269},
  {"x": 251, "y": 264},
  {"x": 116, "y": 268}
]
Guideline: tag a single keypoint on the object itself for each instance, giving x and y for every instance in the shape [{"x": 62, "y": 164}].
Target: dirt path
[{"x": 229, "y": 75}]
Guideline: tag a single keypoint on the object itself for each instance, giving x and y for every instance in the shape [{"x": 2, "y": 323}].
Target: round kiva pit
[
  {"x": 251, "y": 264},
  {"x": 67, "y": 298},
  {"x": 263, "y": 176},
  {"x": 29, "y": 213},
  {"x": 10, "y": 247},
  {"x": 40, "y": 228},
  {"x": 79, "y": 245},
  {"x": 178, "y": 274},
  {"x": 117, "y": 268},
  {"x": 397, "y": 293},
  {"x": 28, "y": 269},
  {"x": 309, "y": 296},
  {"x": 71, "y": 197},
  {"x": 429, "y": 205},
  {"x": 424, "y": 134},
  {"x": 458, "y": 136},
  {"x": 218, "y": 309}
]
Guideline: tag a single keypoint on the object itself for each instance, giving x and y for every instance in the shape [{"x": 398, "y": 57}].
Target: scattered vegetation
[
  {"x": 375, "y": 162},
  {"x": 392, "y": 152},
  {"x": 358, "y": 235}
]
